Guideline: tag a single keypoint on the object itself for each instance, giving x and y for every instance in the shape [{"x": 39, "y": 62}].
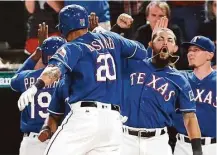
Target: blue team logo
[{"x": 82, "y": 22}]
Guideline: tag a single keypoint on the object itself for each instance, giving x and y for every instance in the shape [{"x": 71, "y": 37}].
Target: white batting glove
[
  {"x": 26, "y": 97},
  {"x": 124, "y": 21}
]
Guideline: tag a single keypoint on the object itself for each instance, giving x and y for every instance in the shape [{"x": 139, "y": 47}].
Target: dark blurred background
[{"x": 12, "y": 30}]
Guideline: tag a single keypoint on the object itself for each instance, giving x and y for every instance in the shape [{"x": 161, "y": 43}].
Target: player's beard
[{"x": 162, "y": 57}]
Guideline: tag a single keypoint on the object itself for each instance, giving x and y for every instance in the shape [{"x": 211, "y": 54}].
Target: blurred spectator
[
  {"x": 188, "y": 15},
  {"x": 101, "y": 8},
  {"x": 135, "y": 9},
  {"x": 154, "y": 11},
  {"x": 208, "y": 27},
  {"x": 12, "y": 25},
  {"x": 116, "y": 8},
  {"x": 40, "y": 11}
]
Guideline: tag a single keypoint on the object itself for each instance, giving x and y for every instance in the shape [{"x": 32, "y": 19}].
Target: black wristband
[
  {"x": 196, "y": 144},
  {"x": 39, "y": 84}
]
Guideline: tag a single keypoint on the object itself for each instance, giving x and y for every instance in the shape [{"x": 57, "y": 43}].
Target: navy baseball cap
[{"x": 201, "y": 42}]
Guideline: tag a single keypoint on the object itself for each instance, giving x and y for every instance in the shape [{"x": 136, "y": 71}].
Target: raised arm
[
  {"x": 56, "y": 5},
  {"x": 30, "y": 6},
  {"x": 50, "y": 74}
]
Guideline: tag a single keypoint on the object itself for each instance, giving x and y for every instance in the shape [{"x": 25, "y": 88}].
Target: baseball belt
[
  {"x": 94, "y": 104},
  {"x": 146, "y": 134},
  {"x": 203, "y": 140}
]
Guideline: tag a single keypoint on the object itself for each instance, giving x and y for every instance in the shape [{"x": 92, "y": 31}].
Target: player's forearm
[
  {"x": 36, "y": 55},
  {"x": 52, "y": 122},
  {"x": 31, "y": 62},
  {"x": 49, "y": 128},
  {"x": 48, "y": 76},
  {"x": 191, "y": 125}
]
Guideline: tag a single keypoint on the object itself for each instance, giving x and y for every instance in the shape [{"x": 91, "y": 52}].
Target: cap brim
[{"x": 186, "y": 45}]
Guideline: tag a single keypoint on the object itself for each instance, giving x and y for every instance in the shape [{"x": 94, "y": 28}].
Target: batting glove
[{"x": 26, "y": 97}]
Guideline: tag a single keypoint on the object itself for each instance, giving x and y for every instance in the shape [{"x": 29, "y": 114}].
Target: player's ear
[
  {"x": 210, "y": 56},
  {"x": 150, "y": 44}
]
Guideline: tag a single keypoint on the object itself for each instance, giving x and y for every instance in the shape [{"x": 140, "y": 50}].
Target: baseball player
[
  {"x": 58, "y": 109},
  {"x": 152, "y": 90},
  {"x": 93, "y": 63},
  {"x": 203, "y": 82},
  {"x": 33, "y": 116}
]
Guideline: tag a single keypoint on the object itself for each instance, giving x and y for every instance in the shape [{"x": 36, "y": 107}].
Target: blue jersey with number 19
[
  {"x": 93, "y": 62},
  {"x": 33, "y": 116},
  {"x": 59, "y": 102}
]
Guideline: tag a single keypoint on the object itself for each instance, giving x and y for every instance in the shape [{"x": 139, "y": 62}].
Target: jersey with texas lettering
[
  {"x": 94, "y": 63},
  {"x": 33, "y": 116},
  {"x": 151, "y": 95},
  {"x": 205, "y": 97}
]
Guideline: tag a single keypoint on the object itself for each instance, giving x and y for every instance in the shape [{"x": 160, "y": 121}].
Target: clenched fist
[{"x": 124, "y": 21}]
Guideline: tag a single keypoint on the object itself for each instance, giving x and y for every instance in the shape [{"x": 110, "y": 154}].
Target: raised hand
[
  {"x": 42, "y": 33},
  {"x": 124, "y": 21},
  {"x": 162, "y": 23},
  {"x": 93, "y": 21}
]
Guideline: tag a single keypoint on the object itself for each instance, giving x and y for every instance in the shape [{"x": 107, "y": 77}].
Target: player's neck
[
  {"x": 203, "y": 71},
  {"x": 76, "y": 34}
]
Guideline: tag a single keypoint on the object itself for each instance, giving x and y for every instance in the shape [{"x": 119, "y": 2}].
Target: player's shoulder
[
  {"x": 213, "y": 75},
  {"x": 107, "y": 34},
  {"x": 180, "y": 78},
  {"x": 70, "y": 47},
  {"x": 210, "y": 79},
  {"x": 18, "y": 81},
  {"x": 29, "y": 73}
]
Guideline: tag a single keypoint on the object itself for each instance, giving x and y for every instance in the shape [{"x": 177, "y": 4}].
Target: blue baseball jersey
[
  {"x": 205, "y": 98},
  {"x": 151, "y": 95},
  {"x": 33, "y": 116},
  {"x": 59, "y": 103},
  {"x": 93, "y": 62}
]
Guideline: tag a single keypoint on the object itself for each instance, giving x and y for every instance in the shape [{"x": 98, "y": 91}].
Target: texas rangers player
[
  {"x": 152, "y": 90},
  {"x": 203, "y": 82},
  {"x": 92, "y": 60},
  {"x": 33, "y": 116},
  {"x": 58, "y": 109}
]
